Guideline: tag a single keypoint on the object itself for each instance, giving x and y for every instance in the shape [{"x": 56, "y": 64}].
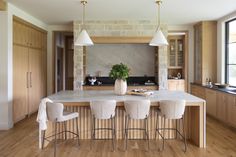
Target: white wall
[
  {"x": 6, "y": 82},
  {"x": 190, "y": 30},
  {"x": 221, "y": 46}
]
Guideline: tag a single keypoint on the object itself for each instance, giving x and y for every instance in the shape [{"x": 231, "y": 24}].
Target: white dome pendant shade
[
  {"x": 83, "y": 39},
  {"x": 158, "y": 39}
]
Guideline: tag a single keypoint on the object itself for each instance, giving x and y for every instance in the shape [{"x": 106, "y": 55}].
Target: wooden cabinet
[
  {"x": 29, "y": 68},
  {"x": 221, "y": 105},
  {"x": 231, "y": 110},
  {"x": 205, "y": 40},
  {"x": 198, "y": 91},
  {"x": 20, "y": 82},
  {"x": 176, "y": 85},
  {"x": 176, "y": 51},
  {"x": 211, "y": 102}
]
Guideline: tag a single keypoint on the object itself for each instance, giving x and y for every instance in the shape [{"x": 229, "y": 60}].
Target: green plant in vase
[{"x": 120, "y": 72}]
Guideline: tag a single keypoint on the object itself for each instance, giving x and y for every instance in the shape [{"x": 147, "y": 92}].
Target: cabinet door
[
  {"x": 20, "y": 33},
  {"x": 44, "y": 64},
  {"x": 180, "y": 52},
  {"x": 221, "y": 106},
  {"x": 181, "y": 85},
  {"x": 35, "y": 79},
  {"x": 20, "y": 82},
  {"x": 198, "y": 54},
  {"x": 198, "y": 91},
  {"x": 231, "y": 110},
  {"x": 172, "y": 85},
  {"x": 172, "y": 53},
  {"x": 211, "y": 102}
]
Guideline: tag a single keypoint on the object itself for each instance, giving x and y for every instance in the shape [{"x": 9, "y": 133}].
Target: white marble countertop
[{"x": 90, "y": 95}]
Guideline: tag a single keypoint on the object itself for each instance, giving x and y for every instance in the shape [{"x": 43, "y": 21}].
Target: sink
[{"x": 231, "y": 90}]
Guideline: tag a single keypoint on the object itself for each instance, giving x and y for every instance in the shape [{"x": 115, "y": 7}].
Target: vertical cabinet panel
[
  {"x": 221, "y": 105},
  {"x": 35, "y": 79},
  {"x": 204, "y": 51},
  {"x": 20, "y": 82},
  {"x": 211, "y": 102},
  {"x": 231, "y": 110}
]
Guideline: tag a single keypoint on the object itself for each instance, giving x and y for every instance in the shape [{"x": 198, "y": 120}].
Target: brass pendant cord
[
  {"x": 159, "y": 14},
  {"x": 83, "y": 17}
]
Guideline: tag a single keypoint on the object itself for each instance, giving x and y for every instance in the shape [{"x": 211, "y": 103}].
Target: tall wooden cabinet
[
  {"x": 176, "y": 62},
  {"x": 29, "y": 68},
  {"x": 205, "y": 44}
]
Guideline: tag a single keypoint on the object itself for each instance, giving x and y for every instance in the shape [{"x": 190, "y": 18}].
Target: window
[{"x": 230, "y": 63}]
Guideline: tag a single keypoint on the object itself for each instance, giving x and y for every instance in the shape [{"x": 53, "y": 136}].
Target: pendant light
[
  {"x": 158, "y": 38},
  {"x": 83, "y": 39}
]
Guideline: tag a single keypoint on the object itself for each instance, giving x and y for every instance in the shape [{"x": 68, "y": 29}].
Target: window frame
[{"x": 227, "y": 51}]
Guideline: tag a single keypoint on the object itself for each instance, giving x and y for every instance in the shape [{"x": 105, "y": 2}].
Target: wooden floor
[{"x": 22, "y": 141}]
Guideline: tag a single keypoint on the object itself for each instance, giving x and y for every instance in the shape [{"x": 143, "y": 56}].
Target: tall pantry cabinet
[{"x": 29, "y": 68}]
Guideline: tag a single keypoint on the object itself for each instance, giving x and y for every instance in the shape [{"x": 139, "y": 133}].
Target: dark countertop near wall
[
  {"x": 229, "y": 90},
  {"x": 131, "y": 81}
]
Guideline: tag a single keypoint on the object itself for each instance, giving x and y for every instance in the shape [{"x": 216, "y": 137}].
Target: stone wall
[{"x": 137, "y": 28}]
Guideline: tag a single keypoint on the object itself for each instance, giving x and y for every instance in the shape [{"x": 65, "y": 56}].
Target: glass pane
[
  {"x": 232, "y": 75},
  {"x": 232, "y": 31},
  {"x": 232, "y": 53}
]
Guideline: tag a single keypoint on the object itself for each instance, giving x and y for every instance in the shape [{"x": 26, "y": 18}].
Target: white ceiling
[{"x": 173, "y": 12}]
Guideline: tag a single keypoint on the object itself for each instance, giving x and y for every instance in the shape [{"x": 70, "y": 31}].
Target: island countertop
[{"x": 87, "y": 96}]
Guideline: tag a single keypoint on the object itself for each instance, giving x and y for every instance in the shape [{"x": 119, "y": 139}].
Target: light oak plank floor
[{"x": 22, "y": 141}]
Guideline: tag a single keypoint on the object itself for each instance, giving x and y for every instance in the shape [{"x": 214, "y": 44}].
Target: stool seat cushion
[{"x": 68, "y": 116}]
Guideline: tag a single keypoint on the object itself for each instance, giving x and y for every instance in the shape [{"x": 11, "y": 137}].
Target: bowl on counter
[{"x": 219, "y": 85}]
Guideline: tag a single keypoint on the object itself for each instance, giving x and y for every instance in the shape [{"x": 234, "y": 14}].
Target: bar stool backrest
[
  {"x": 103, "y": 109},
  {"x": 137, "y": 109},
  {"x": 172, "y": 109},
  {"x": 54, "y": 111}
]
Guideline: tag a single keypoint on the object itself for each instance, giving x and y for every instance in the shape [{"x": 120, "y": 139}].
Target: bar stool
[
  {"x": 103, "y": 110},
  {"x": 173, "y": 110},
  {"x": 57, "y": 115},
  {"x": 137, "y": 110}
]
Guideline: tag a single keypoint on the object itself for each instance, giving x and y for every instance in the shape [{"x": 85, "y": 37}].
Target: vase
[{"x": 120, "y": 87}]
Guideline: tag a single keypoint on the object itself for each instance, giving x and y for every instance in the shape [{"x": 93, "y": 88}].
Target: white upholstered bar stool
[
  {"x": 137, "y": 110},
  {"x": 172, "y": 110},
  {"x": 56, "y": 114},
  {"x": 103, "y": 110}
]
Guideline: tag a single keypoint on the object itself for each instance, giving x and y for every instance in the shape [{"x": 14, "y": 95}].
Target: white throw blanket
[{"x": 42, "y": 114}]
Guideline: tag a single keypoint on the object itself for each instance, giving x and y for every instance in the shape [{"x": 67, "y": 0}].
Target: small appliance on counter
[{"x": 92, "y": 80}]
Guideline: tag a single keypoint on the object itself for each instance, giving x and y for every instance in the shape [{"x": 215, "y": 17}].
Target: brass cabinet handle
[
  {"x": 27, "y": 79},
  {"x": 30, "y": 79}
]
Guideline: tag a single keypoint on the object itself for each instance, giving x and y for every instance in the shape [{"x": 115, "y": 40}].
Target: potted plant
[{"x": 120, "y": 72}]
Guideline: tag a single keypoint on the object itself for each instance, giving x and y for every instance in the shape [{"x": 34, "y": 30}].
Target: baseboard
[{"x": 4, "y": 126}]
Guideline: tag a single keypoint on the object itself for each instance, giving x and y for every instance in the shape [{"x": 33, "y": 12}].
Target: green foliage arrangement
[{"x": 119, "y": 71}]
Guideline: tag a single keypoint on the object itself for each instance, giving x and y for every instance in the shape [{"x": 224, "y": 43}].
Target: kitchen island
[{"x": 78, "y": 101}]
